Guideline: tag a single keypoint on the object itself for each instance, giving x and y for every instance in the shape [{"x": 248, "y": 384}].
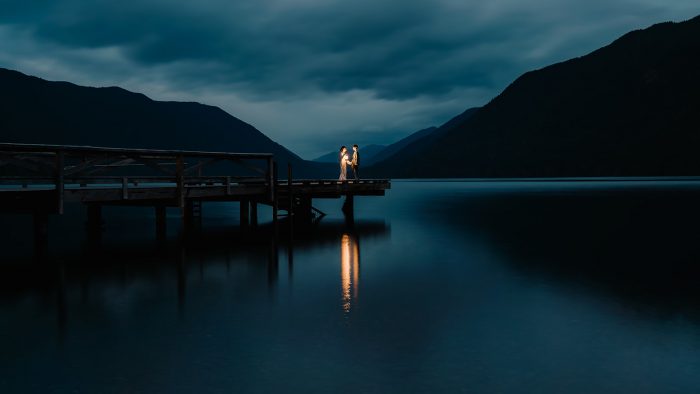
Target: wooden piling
[
  {"x": 290, "y": 193},
  {"x": 187, "y": 214},
  {"x": 245, "y": 213},
  {"x": 254, "y": 213},
  {"x": 60, "y": 182},
  {"x": 305, "y": 213},
  {"x": 349, "y": 206},
  {"x": 197, "y": 213},
  {"x": 125, "y": 188},
  {"x": 273, "y": 188},
  {"x": 272, "y": 178},
  {"x": 180, "y": 191}
]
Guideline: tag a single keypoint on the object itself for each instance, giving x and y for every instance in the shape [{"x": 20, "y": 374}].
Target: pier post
[
  {"x": 290, "y": 192},
  {"x": 272, "y": 177},
  {"x": 254, "y": 213},
  {"x": 187, "y": 215},
  {"x": 161, "y": 223},
  {"x": 125, "y": 188},
  {"x": 305, "y": 213},
  {"x": 60, "y": 183},
  {"x": 192, "y": 215},
  {"x": 180, "y": 185},
  {"x": 196, "y": 213},
  {"x": 349, "y": 206},
  {"x": 273, "y": 189},
  {"x": 245, "y": 213}
]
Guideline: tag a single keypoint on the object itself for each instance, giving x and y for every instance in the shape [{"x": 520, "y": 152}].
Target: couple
[{"x": 344, "y": 160}]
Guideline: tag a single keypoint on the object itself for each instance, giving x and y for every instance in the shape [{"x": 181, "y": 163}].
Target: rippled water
[{"x": 439, "y": 286}]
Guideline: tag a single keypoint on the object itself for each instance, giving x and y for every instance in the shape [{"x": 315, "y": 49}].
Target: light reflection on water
[{"x": 349, "y": 269}]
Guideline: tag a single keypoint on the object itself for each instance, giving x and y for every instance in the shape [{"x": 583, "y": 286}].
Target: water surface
[{"x": 573, "y": 287}]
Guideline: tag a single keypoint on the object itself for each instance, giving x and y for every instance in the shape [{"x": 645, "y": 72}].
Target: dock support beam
[
  {"x": 254, "y": 213},
  {"x": 273, "y": 191},
  {"x": 303, "y": 211},
  {"x": 180, "y": 189},
  {"x": 349, "y": 206},
  {"x": 187, "y": 215},
  {"x": 290, "y": 192},
  {"x": 197, "y": 214},
  {"x": 245, "y": 213},
  {"x": 60, "y": 183},
  {"x": 192, "y": 215}
]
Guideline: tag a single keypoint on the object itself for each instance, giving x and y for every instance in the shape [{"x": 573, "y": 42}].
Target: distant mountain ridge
[
  {"x": 33, "y": 110},
  {"x": 630, "y": 108},
  {"x": 367, "y": 154},
  {"x": 392, "y": 149},
  {"x": 414, "y": 143}
]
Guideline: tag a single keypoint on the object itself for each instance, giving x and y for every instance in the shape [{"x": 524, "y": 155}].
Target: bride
[{"x": 344, "y": 160}]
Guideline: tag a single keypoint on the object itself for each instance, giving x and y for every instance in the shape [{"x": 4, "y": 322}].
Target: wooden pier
[{"x": 42, "y": 179}]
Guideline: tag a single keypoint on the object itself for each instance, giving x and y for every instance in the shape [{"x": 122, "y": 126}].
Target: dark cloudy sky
[{"x": 313, "y": 74}]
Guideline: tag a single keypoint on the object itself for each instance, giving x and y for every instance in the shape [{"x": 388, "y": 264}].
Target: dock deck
[{"x": 41, "y": 179}]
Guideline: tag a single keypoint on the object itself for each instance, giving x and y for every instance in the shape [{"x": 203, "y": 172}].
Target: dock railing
[{"x": 65, "y": 167}]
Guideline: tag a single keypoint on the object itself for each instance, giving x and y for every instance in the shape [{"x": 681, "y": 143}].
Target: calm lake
[{"x": 486, "y": 287}]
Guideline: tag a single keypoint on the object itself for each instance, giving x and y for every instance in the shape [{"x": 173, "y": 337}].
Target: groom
[{"x": 355, "y": 162}]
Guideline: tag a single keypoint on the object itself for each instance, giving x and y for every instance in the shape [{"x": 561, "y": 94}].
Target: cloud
[{"x": 303, "y": 69}]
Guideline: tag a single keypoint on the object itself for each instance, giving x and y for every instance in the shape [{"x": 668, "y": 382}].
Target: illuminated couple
[{"x": 345, "y": 160}]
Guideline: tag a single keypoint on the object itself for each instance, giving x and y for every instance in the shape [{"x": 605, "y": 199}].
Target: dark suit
[{"x": 356, "y": 164}]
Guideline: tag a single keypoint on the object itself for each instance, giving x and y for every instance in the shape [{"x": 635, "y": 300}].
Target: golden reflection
[{"x": 349, "y": 269}]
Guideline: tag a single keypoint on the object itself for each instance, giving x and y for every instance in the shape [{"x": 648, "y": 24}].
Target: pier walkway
[{"x": 42, "y": 179}]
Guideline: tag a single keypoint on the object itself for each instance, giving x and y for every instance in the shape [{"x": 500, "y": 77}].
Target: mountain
[
  {"x": 630, "y": 108},
  {"x": 367, "y": 152},
  {"x": 420, "y": 137},
  {"x": 33, "y": 110},
  {"x": 391, "y": 149}
]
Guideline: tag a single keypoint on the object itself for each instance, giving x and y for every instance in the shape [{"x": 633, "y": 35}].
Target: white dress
[{"x": 343, "y": 158}]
